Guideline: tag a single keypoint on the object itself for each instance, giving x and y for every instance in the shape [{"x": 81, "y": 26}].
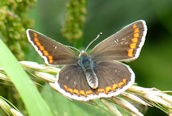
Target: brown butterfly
[{"x": 98, "y": 74}]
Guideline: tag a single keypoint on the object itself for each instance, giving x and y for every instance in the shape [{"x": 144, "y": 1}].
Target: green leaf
[{"x": 34, "y": 103}]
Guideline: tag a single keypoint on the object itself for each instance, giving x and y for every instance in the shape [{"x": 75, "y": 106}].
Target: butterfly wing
[
  {"x": 125, "y": 45},
  {"x": 71, "y": 81},
  {"x": 53, "y": 52},
  {"x": 114, "y": 78}
]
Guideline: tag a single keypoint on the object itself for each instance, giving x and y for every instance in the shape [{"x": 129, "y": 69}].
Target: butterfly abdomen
[{"x": 87, "y": 65}]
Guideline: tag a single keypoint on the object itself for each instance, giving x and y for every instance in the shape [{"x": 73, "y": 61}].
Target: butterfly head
[{"x": 83, "y": 57}]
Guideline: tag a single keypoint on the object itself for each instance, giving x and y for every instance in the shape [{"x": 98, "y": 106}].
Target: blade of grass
[{"x": 33, "y": 101}]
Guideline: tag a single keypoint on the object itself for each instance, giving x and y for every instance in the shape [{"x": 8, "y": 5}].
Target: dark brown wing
[
  {"x": 71, "y": 81},
  {"x": 53, "y": 52},
  {"x": 125, "y": 45},
  {"x": 113, "y": 78}
]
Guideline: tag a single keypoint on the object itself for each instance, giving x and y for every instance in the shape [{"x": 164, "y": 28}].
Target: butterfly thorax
[{"x": 86, "y": 64}]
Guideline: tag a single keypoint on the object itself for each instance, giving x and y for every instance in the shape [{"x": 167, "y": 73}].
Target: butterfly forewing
[
  {"x": 53, "y": 52},
  {"x": 125, "y": 45}
]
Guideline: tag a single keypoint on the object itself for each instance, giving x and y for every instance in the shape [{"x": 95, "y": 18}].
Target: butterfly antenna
[
  {"x": 93, "y": 41},
  {"x": 74, "y": 48}
]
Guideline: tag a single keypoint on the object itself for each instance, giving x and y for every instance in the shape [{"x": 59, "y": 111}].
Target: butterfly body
[
  {"x": 98, "y": 74},
  {"x": 88, "y": 67}
]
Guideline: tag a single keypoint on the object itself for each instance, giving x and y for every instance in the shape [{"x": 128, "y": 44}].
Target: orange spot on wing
[
  {"x": 130, "y": 52},
  {"x": 41, "y": 48},
  {"x": 38, "y": 43},
  {"x": 45, "y": 53},
  {"x": 136, "y": 30},
  {"x": 76, "y": 91},
  {"x": 65, "y": 86},
  {"x": 50, "y": 59},
  {"x": 124, "y": 80},
  {"x": 134, "y": 40},
  {"x": 70, "y": 90},
  {"x": 120, "y": 84},
  {"x": 133, "y": 45},
  {"x": 136, "y": 35},
  {"x": 108, "y": 88},
  {"x": 35, "y": 34},
  {"x": 114, "y": 86},
  {"x": 89, "y": 92},
  {"x": 100, "y": 90},
  {"x": 134, "y": 26},
  {"x": 36, "y": 39},
  {"x": 82, "y": 92}
]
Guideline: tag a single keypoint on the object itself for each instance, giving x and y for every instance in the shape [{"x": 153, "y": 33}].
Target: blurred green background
[{"x": 152, "y": 68}]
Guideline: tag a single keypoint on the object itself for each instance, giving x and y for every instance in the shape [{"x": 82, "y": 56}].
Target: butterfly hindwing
[
  {"x": 71, "y": 81},
  {"x": 113, "y": 77}
]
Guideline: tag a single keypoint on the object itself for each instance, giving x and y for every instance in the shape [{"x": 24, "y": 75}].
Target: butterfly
[{"x": 99, "y": 73}]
